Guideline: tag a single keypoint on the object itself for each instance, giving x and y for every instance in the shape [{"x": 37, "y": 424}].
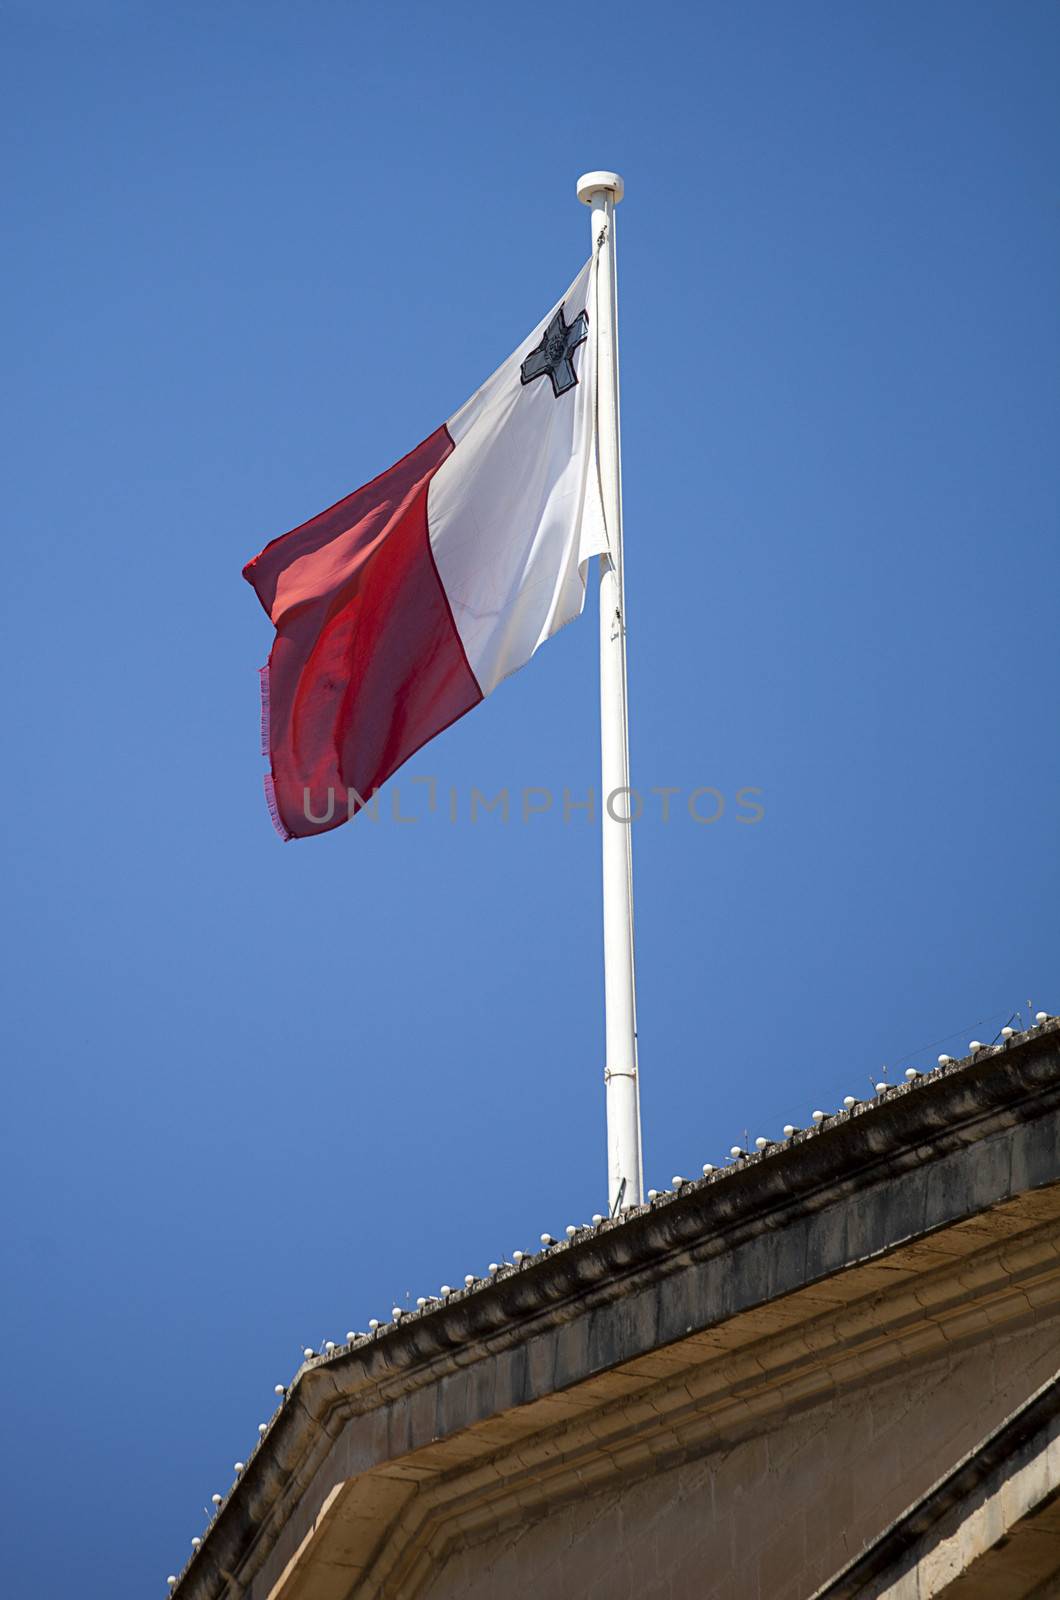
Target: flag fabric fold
[{"x": 406, "y": 603}]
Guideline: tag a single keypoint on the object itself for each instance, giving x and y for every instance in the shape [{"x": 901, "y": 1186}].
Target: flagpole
[{"x": 602, "y": 191}]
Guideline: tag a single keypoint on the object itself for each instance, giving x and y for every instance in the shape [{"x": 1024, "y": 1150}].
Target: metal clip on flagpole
[{"x": 602, "y": 191}]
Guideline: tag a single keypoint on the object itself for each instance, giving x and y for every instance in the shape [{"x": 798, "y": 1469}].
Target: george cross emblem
[{"x": 555, "y": 354}]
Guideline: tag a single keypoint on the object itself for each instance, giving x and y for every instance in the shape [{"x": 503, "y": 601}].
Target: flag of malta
[{"x": 409, "y": 601}]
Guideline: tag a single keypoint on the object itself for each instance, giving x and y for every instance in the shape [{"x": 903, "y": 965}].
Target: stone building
[{"x": 831, "y": 1370}]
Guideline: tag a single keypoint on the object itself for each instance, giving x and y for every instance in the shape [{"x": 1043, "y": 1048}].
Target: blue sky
[{"x": 258, "y": 1093}]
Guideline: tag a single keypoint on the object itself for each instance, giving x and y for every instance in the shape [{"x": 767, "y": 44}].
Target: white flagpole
[{"x": 602, "y": 191}]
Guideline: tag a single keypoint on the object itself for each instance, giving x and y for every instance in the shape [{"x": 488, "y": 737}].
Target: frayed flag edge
[
  {"x": 274, "y": 810},
  {"x": 263, "y": 680}
]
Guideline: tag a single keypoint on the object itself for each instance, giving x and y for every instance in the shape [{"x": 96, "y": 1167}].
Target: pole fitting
[{"x": 592, "y": 182}]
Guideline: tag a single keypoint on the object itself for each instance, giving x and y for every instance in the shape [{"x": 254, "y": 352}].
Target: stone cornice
[
  {"x": 914, "y": 1129},
  {"x": 718, "y": 1401}
]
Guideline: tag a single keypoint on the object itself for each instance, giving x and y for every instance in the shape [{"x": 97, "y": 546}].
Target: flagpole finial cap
[{"x": 592, "y": 182}]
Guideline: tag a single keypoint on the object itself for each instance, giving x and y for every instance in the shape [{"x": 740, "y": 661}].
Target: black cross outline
[{"x": 555, "y": 354}]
